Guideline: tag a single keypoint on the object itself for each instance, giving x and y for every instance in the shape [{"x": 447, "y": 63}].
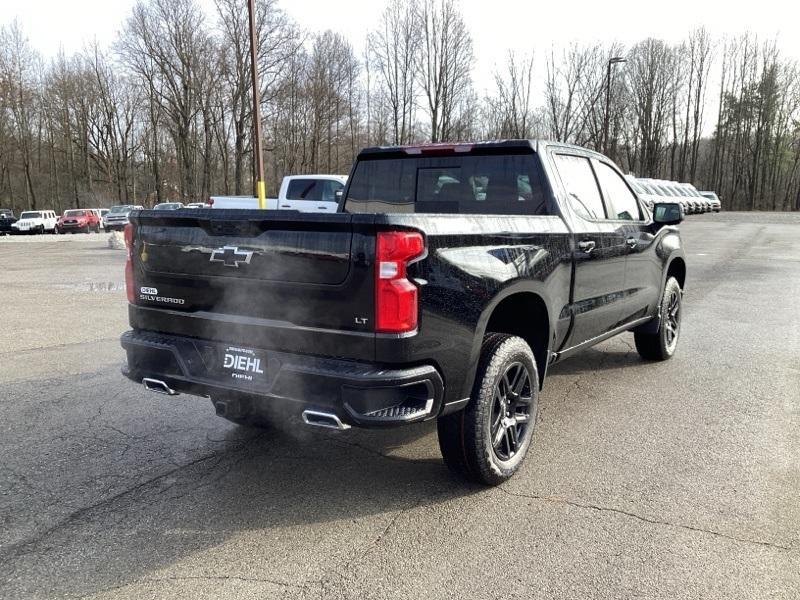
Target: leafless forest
[{"x": 164, "y": 113}]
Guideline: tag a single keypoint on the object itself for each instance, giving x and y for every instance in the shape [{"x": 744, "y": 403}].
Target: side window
[
  {"x": 578, "y": 179},
  {"x": 620, "y": 199},
  {"x": 330, "y": 189},
  {"x": 304, "y": 189}
]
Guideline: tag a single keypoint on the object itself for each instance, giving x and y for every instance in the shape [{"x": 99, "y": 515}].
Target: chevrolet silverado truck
[
  {"x": 306, "y": 193},
  {"x": 449, "y": 281}
]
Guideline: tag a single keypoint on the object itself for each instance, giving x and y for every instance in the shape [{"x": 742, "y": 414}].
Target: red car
[{"x": 78, "y": 219}]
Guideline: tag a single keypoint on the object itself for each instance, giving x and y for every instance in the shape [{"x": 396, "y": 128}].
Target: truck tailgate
[{"x": 277, "y": 280}]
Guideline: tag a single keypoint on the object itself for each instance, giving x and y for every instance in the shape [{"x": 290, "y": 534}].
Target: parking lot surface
[{"x": 670, "y": 480}]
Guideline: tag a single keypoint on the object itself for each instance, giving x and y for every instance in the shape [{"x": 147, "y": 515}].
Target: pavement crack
[
  {"x": 171, "y": 578},
  {"x": 651, "y": 521},
  {"x": 20, "y": 548}
]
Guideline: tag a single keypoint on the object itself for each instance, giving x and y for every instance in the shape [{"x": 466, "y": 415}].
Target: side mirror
[
  {"x": 667, "y": 213},
  {"x": 338, "y": 194}
]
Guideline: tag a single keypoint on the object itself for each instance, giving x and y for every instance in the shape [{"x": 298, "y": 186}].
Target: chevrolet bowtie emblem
[{"x": 231, "y": 256}]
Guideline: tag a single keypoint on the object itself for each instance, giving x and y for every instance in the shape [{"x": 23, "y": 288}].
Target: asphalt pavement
[{"x": 670, "y": 480}]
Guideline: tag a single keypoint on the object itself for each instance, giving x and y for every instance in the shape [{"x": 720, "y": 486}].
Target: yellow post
[{"x": 262, "y": 202}]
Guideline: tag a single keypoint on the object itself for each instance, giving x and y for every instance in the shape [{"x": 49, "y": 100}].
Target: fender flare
[{"x": 514, "y": 287}]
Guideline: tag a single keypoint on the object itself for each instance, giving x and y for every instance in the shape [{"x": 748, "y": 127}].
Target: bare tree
[
  {"x": 19, "y": 67},
  {"x": 511, "y": 109},
  {"x": 651, "y": 76},
  {"x": 445, "y": 63},
  {"x": 394, "y": 47}
]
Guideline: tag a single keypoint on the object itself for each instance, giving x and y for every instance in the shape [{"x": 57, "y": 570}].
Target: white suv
[{"x": 36, "y": 221}]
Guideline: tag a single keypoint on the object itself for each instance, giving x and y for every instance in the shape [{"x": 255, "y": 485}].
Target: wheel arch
[
  {"x": 677, "y": 269},
  {"x": 520, "y": 312}
]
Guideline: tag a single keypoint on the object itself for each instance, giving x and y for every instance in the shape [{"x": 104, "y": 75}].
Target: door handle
[
  {"x": 586, "y": 246},
  {"x": 631, "y": 241},
  {"x": 285, "y": 206}
]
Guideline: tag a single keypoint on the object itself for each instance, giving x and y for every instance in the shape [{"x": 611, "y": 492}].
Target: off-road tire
[
  {"x": 662, "y": 344},
  {"x": 466, "y": 438}
]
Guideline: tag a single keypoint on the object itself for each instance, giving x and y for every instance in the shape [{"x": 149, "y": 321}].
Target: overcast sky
[{"x": 496, "y": 25}]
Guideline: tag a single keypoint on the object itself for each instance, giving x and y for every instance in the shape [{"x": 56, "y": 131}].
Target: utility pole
[
  {"x": 611, "y": 61},
  {"x": 258, "y": 158}
]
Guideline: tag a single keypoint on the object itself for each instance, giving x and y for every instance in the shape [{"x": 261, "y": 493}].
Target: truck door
[
  {"x": 599, "y": 252},
  {"x": 642, "y": 266}
]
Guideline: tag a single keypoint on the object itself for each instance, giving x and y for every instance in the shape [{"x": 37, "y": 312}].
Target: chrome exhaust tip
[
  {"x": 321, "y": 419},
  {"x": 158, "y": 386}
]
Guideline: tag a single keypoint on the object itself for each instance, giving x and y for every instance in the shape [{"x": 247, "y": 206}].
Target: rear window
[{"x": 475, "y": 184}]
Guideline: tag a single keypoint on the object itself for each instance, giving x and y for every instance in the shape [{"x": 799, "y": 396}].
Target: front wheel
[
  {"x": 488, "y": 440},
  {"x": 661, "y": 345}
]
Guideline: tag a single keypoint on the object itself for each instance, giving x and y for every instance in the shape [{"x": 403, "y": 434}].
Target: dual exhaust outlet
[{"x": 314, "y": 418}]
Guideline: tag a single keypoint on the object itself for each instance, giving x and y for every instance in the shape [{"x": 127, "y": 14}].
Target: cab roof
[{"x": 465, "y": 148}]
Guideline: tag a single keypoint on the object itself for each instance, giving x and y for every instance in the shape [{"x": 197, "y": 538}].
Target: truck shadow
[{"x": 294, "y": 485}]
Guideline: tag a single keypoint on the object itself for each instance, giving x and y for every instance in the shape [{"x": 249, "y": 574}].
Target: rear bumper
[{"x": 359, "y": 394}]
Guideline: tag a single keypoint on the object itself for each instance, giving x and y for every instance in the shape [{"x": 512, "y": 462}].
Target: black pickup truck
[{"x": 450, "y": 279}]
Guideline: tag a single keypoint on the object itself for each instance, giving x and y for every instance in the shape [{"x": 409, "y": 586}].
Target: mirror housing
[
  {"x": 667, "y": 213},
  {"x": 338, "y": 194}
]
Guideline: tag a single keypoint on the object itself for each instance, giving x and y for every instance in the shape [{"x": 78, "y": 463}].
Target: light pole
[
  {"x": 611, "y": 61},
  {"x": 258, "y": 158}
]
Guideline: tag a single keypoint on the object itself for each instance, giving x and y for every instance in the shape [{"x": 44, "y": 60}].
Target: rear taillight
[
  {"x": 395, "y": 295},
  {"x": 129, "y": 263}
]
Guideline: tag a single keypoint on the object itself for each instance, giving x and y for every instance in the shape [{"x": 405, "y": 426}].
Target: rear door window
[{"x": 510, "y": 184}]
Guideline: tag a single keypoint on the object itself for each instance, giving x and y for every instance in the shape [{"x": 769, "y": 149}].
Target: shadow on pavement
[
  {"x": 295, "y": 483},
  {"x": 597, "y": 359}
]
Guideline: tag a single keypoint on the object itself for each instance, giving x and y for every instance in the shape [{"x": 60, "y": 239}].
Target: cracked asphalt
[{"x": 673, "y": 480}]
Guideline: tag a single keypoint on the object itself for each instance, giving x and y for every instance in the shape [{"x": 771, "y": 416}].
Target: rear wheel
[
  {"x": 488, "y": 440},
  {"x": 661, "y": 345}
]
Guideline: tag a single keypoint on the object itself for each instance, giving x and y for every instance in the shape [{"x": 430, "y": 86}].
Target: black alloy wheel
[
  {"x": 487, "y": 441},
  {"x": 662, "y": 344},
  {"x": 511, "y": 411}
]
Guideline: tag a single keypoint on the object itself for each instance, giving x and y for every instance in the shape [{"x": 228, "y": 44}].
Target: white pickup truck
[{"x": 306, "y": 193}]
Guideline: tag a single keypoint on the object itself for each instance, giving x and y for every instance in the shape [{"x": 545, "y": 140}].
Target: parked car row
[
  {"x": 659, "y": 190},
  {"x": 74, "y": 220},
  {"x": 77, "y": 220}
]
